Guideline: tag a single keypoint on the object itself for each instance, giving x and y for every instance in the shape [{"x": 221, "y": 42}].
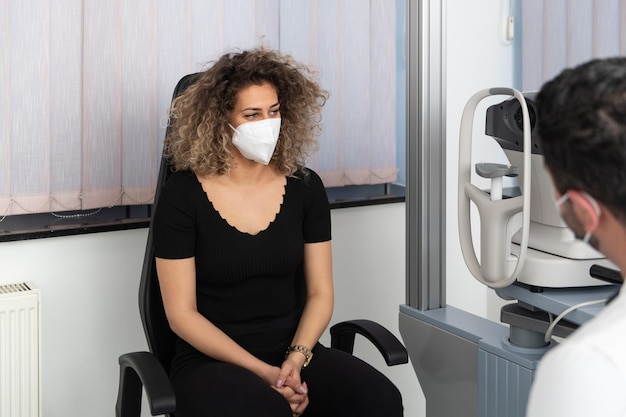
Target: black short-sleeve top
[{"x": 241, "y": 278}]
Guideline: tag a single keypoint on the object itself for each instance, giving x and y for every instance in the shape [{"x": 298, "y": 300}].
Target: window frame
[{"x": 47, "y": 225}]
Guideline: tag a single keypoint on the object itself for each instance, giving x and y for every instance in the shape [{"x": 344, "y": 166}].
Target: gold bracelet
[{"x": 302, "y": 349}]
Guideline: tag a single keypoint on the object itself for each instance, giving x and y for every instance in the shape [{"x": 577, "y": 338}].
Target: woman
[{"x": 238, "y": 225}]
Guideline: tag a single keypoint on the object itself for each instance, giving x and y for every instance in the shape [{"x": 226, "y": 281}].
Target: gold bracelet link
[{"x": 302, "y": 349}]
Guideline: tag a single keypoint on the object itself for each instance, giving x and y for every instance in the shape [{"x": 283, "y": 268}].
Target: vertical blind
[
  {"x": 558, "y": 34},
  {"x": 85, "y": 86}
]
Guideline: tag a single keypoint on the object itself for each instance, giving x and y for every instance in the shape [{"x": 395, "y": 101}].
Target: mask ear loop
[
  {"x": 558, "y": 203},
  {"x": 594, "y": 204},
  {"x": 589, "y": 203}
]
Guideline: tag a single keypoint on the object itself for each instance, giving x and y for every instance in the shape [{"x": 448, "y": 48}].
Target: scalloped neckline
[{"x": 237, "y": 228}]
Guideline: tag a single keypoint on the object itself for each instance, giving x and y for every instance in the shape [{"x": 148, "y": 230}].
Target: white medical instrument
[{"x": 522, "y": 237}]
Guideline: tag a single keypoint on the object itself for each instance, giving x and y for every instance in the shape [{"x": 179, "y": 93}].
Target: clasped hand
[{"x": 289, "y": 385}]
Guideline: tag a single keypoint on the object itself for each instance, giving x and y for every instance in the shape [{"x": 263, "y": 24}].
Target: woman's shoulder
[
  {"x": 179, "y": 183},
  {"x": 180, "y": 178},
  {"x": 308, "y": 177},
  {"x": 307, "y": 183},
  {"x": 183, "y": 175}
]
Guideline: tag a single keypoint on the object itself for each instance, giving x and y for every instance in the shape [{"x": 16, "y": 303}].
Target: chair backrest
[{"x": 161, "y": 339}]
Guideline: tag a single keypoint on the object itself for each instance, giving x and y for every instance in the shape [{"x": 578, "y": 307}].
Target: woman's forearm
[
  {"x": 207, "y": 338},
  {"x": 319, "y": 304},
  {"x": 315, "y": 318}
]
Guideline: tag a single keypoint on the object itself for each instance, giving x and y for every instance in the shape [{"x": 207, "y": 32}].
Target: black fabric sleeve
[
  {"x": 317, "y": 227},
  {"x": 174, "y": 223}
]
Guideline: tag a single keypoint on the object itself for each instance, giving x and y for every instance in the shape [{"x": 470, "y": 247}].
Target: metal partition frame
[{"x": 426, "y": 154}]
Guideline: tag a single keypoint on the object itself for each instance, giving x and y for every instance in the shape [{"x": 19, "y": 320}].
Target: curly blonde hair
[{"x": 199, "y": 137}]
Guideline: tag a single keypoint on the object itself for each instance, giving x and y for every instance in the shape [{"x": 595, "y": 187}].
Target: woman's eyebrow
[{"x": 258, "y": 108}]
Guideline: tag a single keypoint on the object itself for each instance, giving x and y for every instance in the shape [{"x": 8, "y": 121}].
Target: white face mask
[{"x": 257, "y": 140}]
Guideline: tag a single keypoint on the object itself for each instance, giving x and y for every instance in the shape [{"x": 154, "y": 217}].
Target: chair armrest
[
  {"x": 342, "y": 337},
  {"x": 143, "y": 370}
]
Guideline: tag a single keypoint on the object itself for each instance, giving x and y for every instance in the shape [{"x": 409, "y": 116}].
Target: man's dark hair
[{"x": 582, "y": 126}]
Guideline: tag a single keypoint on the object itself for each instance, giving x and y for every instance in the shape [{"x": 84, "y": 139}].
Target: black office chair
[{"x": 149, "y": 370}]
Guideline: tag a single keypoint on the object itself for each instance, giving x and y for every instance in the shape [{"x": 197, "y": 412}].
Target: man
[{"x": 582, "y": 126}]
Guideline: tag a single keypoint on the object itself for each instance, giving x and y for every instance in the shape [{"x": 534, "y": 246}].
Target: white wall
[{"x": 89, "y": 313}]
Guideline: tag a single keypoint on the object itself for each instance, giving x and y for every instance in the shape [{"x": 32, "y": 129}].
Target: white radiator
[{"x": 20, "y": 354}]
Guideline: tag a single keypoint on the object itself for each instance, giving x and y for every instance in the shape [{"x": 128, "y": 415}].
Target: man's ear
[{"x": 587, "y": 207}]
